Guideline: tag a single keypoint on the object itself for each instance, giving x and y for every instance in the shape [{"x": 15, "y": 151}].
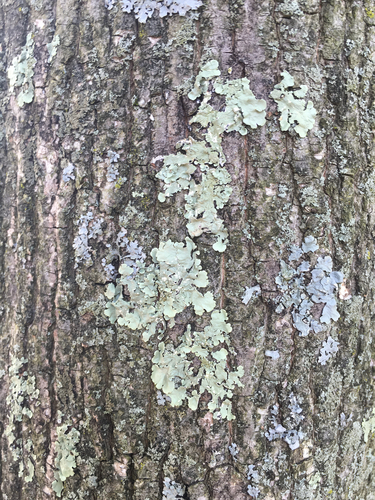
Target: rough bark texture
[{"x": 112, "y": 85}]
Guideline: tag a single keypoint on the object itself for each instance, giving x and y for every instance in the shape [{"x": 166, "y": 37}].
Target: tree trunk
[{"x": 195, "y": 329}]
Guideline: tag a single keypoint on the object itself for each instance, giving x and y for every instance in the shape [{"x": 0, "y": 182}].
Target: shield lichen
[
  {"x": 172, "y": 490},
  {"x": 21, "y": 73},
  {"x": 292, "y": 106},
  {"x": 242, "y": 110},
  {"x": 175, "y": 370},
  {"x": 52, "y": 47},
  {"x": 368, "y": 426},
  {"x": 292, "y": 436},
  {"x": 161, "y": 290},
  {"x": 148, "y": 297},
  {"x": 21, "y": 391},
  {"x": 330, "y": 347},
  {"x": 65, "y": 460},
  {"x": 300, "y": 295},
  {"x": 144, "y": 9}
]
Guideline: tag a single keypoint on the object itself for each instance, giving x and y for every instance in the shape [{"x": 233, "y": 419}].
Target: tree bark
[{"x": 81, "y": 417}]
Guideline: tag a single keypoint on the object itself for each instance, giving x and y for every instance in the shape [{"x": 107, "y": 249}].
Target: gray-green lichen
[
  {"x": 52, "y": 47},
  {"x": 292, "y": 106},
  {"x": 242, "y": 110},
  {"x": 21, "y": 391},
  {"x": 159, "y": 291},
  {"x": 202, "y": 80},
  {"x": 172, "y": 490},
  {"x": 21, "y": 73},
  {"x": 175, "y": 370},
  {"x": 368, "y": 426},
  {"x": 65, "y": 460},
  {"x": 148, "y": 297},
  {"x": 88, "y": 228}
]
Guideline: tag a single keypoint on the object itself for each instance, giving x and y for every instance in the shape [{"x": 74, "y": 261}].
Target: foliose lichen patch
[
  {"x": 368, "y": 426},
  {"x": 242, "y": 110},
  {"x": 254, "y": 478},
  {"x": 52, "y": 47},
  {"x": 65, "y": 461},
  {"x": 21, "y": 73},
  {"x": 330, "y": 347},
  {"x": 22, "y": 390},
  {"x": 292, "y": 106},
  {"x": 174, "y": 372},
  {"x": 302, "y": 288},
  {"x": 148, "y": 297},
  {"x": 293, "y": 435},
  {"x": 161, "y": 290},
  {"x": 144, "y": 9},
  {"x": 172, "y": 490}
]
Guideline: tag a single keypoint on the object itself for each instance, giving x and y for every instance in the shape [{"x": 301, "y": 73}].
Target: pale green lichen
[
  {"x": 52, "y": 47},
  {"x": 315, "y": 480},
  {"x": 194, "y": 367},
  {"x": 201, "y": 84},
  {"x": 292, "y": 106},
  {"x": 21, "y": 73},
  {"x": 65, "y": 460},
  {"x": 147, "y": 298},
  {"x": 241, "y": 106},
  {"x": 242, "y": 110},
  {"x": 159, "y": 291},
  {"x": 368, "y": 426},
  {"x": 21, "y": 391}
]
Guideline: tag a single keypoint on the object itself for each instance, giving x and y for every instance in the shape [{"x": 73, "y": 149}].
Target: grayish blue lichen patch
[
  {"x": 161, "y": 399},
  {"x": 300, "y": 291},
  {"x": 272, "y": 354},
  {"x": 233, "y": 450},
  {"x": 330, "y": 347},
  {"x": 112, "y": 169},
  {"x": 344, "y": 422},
  {"x": 292, "y": 106},
  {"x": 88, "y": 228},
  {"x": 172, "y": 490},
  {"x": 21, "y": 73},
  {"x": 128, "y": 252},
  {"x": 68, "y": 173},
  {"x": 254, "y": 478},
  {"x": 250, "y": 292},
  {"x": 144, "y": 9},
  {"x": 66, "y": 453},
  {"x": 309, "y": 244},
  {"x": 110, "y": 4},
  {"x": 292, "y": 436}
]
